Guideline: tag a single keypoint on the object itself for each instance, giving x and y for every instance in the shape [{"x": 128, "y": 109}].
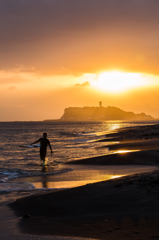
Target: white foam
[
  {"x": 7, "y": 175},
  {"x": 12, "y": 187},
  {"x": 93, "y": 134}
]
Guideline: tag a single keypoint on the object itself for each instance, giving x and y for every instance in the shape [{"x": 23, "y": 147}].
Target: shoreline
[
  {"x": 84, "y": 174},
  {"x": 120, "y": 208}
]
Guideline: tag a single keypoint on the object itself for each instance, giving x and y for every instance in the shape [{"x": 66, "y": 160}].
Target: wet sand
[
  {"x": 83, "y": 174},
  {"x": 120, "y": 208}
]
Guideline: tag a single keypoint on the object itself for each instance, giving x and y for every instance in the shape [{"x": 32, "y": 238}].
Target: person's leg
[{"x": 43, "y": 155}]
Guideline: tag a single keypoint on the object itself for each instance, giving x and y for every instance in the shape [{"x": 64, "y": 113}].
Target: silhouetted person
[{"x": 44, "y": 142}]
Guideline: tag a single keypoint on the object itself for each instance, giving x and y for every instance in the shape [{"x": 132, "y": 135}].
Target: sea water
[{"x": 69, "y": 140}]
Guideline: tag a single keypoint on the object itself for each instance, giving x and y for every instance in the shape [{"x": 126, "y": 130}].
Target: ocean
[{"x": 69, "y": 140}]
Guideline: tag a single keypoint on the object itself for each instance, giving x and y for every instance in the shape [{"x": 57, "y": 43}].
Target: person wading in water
[{"x": 44, "y": 142}]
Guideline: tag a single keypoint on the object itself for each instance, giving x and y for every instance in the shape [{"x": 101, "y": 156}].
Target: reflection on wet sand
[
  {"x": 71, "y": 184},
  {"x": 44, "y": 169},
  {"x": 125, "y": 151},
  {"x": 44, "y": 183},
  {"x": 117, "y": 176}
]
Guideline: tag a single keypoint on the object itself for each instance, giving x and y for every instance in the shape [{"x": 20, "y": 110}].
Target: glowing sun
[{"x": 118, "y": 81}]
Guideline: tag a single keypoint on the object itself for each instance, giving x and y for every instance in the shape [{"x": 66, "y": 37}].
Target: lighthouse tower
[{"x": 100, "y": 104}]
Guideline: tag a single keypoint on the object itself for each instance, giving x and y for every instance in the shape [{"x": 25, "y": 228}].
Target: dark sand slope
[
  {"x": 125, "y": 208},
  {"x": 134, "y": 145},
  {"x": 150, "y": 157},
  {"x": 134, "y": 133}
]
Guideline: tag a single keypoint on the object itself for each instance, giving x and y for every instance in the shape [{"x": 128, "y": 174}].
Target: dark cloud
[
  {"x": 86, "y": 84},
  {"x": 80, "y": 36}
]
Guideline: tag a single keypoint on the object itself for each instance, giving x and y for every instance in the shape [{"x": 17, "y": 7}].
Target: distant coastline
[{"x": 100, "y": 113}]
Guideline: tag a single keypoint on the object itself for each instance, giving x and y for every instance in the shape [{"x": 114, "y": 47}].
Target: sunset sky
[{"x": 73, "y": 53}]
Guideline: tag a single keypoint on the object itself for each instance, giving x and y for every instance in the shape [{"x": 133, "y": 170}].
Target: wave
[
  {"x": 19, "y": 187},
  {"x": 69, "y": 134},
  {"x": 11, "y": 187},
  {"x": 85, "y": 134},
  {"x": 9, "y": 174},
  {"x": 91, "y": 144},
  {"x": 92, "y": 134},
  {"x": 84, "y": 140}
]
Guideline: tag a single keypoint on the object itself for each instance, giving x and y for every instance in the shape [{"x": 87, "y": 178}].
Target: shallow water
[
  {"x": 70, "y": 140},
  {"x": 84, "y": 174}
]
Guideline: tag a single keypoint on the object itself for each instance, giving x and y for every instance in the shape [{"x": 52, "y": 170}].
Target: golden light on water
[{"x": 116, "y": 81}]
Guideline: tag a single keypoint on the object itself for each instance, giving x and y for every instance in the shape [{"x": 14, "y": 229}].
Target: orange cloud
[
  {"x": 76, "y": 37},
  {"x": 85, "y": 84}
]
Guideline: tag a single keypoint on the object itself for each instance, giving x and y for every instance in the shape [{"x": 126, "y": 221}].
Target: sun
[{"x": 116, "y": 82}]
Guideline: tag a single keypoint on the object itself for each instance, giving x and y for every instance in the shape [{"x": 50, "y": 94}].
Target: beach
[
  {"x": 79, "y": 120},
  {"x": 115, "y": 209},
  {"x": 123, "y": 207}
]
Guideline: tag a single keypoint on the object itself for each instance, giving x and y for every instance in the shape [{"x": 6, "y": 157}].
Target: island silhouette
[{"x": 101, "y": 113}]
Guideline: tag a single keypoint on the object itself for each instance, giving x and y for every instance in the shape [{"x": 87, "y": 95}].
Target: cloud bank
[
  {"x": 85, "y": 84},
  {"x": 75, "y": 37}
]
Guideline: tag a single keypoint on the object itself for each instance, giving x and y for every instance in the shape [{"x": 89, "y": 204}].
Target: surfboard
[{"x": 30, "y": 146}]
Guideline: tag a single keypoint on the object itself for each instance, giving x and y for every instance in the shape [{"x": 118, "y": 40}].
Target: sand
[
  {"x": 120, "y": 208},
  {"x": 117, "y": 209}
]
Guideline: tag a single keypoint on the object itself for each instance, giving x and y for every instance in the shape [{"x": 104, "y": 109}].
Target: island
[{"x": 101, "y": 113}]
